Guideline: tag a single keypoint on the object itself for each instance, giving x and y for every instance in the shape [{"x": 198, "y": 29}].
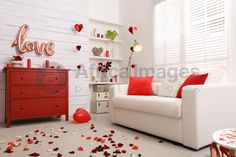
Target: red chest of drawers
[{"x": 35, "y": 93}]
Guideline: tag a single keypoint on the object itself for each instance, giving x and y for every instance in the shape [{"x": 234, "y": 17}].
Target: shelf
[
  {"x": 106, "y": 22},
  {"x": 106, "y": 83},
  {"x": 105, "y": 40},
  {"x": 106, "y": 58}
]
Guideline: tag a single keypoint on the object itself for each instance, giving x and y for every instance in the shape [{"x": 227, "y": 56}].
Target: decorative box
[
  {"x": 100, "y": 88},
  {"x": 100, "y": 107},
  {"x": 101, "y": 96}
]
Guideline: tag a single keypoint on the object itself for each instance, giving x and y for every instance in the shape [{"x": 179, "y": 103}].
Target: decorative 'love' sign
[{"x": 30, "y": 46}]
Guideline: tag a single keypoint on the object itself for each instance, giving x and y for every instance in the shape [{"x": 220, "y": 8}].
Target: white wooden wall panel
[{"x": 49, "y": 20}]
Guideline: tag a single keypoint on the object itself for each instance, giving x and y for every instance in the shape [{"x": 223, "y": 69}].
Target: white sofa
[{"x": 189, "y": 121}]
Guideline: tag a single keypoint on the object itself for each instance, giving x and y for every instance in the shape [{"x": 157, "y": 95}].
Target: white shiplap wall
[{"x": 49, "y": 20}]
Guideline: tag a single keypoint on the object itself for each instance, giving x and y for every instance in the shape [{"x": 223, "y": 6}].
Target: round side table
[{"x": 226, "y": 138}]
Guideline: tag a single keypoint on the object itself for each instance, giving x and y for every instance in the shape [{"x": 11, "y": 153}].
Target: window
[{"x": 191, "y": 33}]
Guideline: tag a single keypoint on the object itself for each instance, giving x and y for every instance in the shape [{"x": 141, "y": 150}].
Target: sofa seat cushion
[{"x": 165, "y": 106}]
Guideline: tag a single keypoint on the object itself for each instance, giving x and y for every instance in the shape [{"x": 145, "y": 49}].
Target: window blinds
[{"x": 190, "y": 33}]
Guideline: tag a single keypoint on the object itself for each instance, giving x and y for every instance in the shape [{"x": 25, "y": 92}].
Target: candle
[
  {"x": 28, "y": 63},
  {"x": 107, "y": 53},
  {"x": 98, "y": 35},
  {"x": 47, "y": 64}
]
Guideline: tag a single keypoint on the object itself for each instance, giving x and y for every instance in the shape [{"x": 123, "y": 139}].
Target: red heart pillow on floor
[{"x": 81, "y": 116}]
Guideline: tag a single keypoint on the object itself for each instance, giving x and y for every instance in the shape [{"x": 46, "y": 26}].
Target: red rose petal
[
  {"x": 30, "y": 141},
  {"x": 56, "y": 149},
  {"x": 50, "y": 142},
  {"x": 59, "y": 155},
  {"x": 136, "y": 138},
  {"x": 26, "y": 149},
  {"x": 120, "y": 145},
  {"x": 123, "y": 151},
  {"x": 72, "y": 152},
  {"x": 80, "y": 149},
  {"x": 135, "y": 148},
  {"x": 9, "y": 149},
  {"x": 34, "y": 154}
]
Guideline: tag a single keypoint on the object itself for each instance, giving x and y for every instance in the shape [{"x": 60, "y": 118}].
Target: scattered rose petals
[
  {"x": 34, "y": 154},
  {"x": 59, "y": 155},
  {"x": 106, "y": 154},
  {"x": 30, "y": 141},
  {"x": 136, "y": 138},
  {"x": 26, "y": 149},
  {"x": 80, "y": 149},
  {"x": 9, "y": 149},
  {"x": 56, "y": 149},
  {"x": 120, "y": 145},
  {"x": 72, "y": 152},
  {"x": 56, "y": 136},
  {"x": 50, "y": 142},
  {"x": 135, "y": 148}
]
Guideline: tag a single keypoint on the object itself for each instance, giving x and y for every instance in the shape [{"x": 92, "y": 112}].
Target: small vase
[{"x": 104, "y": 77}]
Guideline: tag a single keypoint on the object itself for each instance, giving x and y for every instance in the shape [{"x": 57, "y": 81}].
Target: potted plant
[
  {"x": 111, "y": 34},
  {"x": 104, "y": 68}
]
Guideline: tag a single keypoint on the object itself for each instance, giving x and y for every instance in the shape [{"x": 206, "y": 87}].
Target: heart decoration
[
  {"x": 132, "y": 49},
  {"x": 97, "y": 51},
  {"x": 78, "y": 27},
  {"x": 133, "y": 66},
  {"x": 132, "y": 29},
  {"x": 79, "y": 67},
  {"x": 81, "y": 116},
  {"x": 78, "y": 47}
]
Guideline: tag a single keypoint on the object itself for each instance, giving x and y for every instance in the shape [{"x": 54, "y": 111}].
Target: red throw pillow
[
  {"x": 140, "y": 85},
  {"x": 193, "y": 79}
]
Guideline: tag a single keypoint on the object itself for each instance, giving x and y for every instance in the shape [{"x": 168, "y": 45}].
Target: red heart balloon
[
  {"x": 78, "y": 27},
  {"x": 81, "y": 116},
  {"x": 78, "y": 47},
  {"x": 132, "y": 29}
]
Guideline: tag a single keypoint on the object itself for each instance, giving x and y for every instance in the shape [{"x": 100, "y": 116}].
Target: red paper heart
[
  {"x": 81, "y": 116},
  {"x": 133, "y": 66},
  {"x": 131, "y": 49},
  {"x": 78, "y": 27},
  {"x": 79, "y": 67},
  {"x": 78, "y": 47},
  {"x": 132, "y": 29}
]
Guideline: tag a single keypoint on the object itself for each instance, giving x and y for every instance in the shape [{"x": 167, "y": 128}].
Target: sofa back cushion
[
  {"x": 193, "y": 79},
  {"x": 140, "y": 85}
]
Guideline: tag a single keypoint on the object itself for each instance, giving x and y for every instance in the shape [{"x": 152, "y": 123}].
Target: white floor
[{"x": 149, "y": 146}]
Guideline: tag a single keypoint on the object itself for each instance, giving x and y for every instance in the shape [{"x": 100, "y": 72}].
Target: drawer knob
[
  {"x": 21, "y": 108},
  {"x": 22, "y": 92},
  {"x": 56, "y": 78},
  {"x": 56, "y": 91},
  {"x": 56, "y": 106},
  {"x": 21, "y": 78}
]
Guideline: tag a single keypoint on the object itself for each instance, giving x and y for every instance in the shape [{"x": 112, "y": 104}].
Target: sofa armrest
[
  {"x": 205, "y": 109},
  {"x": 116, "y": 90}
]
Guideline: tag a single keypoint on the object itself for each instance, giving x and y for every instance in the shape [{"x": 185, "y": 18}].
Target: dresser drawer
[
  {"x": 38, "y": 107},
  {"x": 38, "y": 91},
  {"x": 100, "y": 107},
  {"x": 23, "y": 77},
  {"x": 100, "y": 96}
]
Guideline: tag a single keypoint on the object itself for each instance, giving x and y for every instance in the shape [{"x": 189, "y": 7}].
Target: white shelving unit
[
  {"x": 112, "y": 46},
  {"x": 106, "y": 58},
  {"x": 105, "y": 83},
  {"x": 105, "y": 40}
]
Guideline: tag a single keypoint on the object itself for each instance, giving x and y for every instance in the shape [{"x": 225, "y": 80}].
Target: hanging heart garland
[
  {"x": 78, "y": 27},
  {"x": 78, "y": 47},
  {"x": 132, "y": 29}
]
